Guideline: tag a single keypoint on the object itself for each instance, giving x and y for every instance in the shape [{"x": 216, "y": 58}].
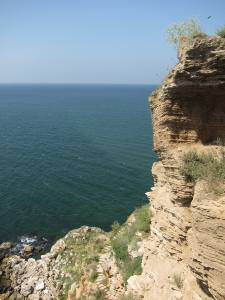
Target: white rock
[
  {"x": 40, "y": 286},
  {"x": 139, "y": 283},
  {"x": 178, "y": 295}
]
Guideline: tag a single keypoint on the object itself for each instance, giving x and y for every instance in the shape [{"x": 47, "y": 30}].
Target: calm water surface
[{"x": 72, "y": 155}]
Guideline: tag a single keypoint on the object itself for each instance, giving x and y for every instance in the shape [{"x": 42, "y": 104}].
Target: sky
[{"x": 94, "y": 41}]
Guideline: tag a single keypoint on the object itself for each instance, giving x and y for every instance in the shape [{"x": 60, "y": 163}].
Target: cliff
[
  {"x": 185, "y": 254},
  {"x": 182, "y": 255}
]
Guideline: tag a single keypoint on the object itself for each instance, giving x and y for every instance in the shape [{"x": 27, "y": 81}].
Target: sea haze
[{"x": 72, "y": 155}]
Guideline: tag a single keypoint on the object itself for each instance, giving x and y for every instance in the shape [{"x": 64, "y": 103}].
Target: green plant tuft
[
  {"x": 126, "y": 235},
  {"x": 99, "y": 295},
  {"x": 189, "y": 28},
  {"x": 115, "y": 227},
  {"x": 119, "y": 246},
  {"x": 132, "y": 267},
  {"x": 221, "y": 32},
  {"x": 143, "y": 218},
  {"x": 93, "y": 276},
  {"x": 205, "y": 166}
]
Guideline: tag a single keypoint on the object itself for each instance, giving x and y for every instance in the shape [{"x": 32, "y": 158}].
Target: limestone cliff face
[{"x": 185, "y": 254}]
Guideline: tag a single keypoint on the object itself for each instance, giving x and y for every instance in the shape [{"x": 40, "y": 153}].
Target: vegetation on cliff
[
  {"x": 125, "y": 239},
  {"x": 221, "y": 32},
  {"x": 206, "y": 166},
  {"x": 190, "y": 28},
  {"x": 188, "y": 224},
  {"x": 79, "y": 262},
  {"x": 95, "y": 261}
]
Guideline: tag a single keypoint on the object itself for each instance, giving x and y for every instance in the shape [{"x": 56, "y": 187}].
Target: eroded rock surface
[
  {"x": 81, "y": 265},
  {"x": 185, "y": 254}
]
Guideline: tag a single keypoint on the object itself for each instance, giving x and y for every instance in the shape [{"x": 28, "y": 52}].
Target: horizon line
[{"x": 73, "y": 83}]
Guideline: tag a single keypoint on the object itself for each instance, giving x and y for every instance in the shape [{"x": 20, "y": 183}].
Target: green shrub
[
  {"x": 115, "y": 227},
  {"x": 131, "y": 267},
  {"x": 125, "y": 235},
  {"x": 99, "y": 295},
  {"x": 194, "y": 165},
  {"x": 205, "y": 166},
  {"x": 199, "y": 35},
  {"x": 120, "y": 247},
  {"x": 221, "y": 32},
  {"x": 93, "y": 276},
  {"x": 189, "y": 28},
  {"x": 143, "y": 218},
  {"x": 127, "y": 265}
]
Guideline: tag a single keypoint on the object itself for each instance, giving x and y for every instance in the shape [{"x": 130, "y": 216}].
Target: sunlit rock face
[
  {"x": 185, "y": 254},
  {"x": 189, "y": 107}
]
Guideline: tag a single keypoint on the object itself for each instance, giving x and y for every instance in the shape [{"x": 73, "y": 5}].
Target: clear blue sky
[{"x": 94, "y": 41}]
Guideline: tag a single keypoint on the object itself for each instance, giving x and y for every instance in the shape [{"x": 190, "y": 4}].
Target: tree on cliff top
[{"x": 190, "y": 29}]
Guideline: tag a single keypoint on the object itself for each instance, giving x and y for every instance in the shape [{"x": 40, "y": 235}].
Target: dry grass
[{"x": 209, "y": 167}]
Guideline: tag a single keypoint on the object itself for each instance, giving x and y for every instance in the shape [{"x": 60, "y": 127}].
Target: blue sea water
[{"x": 72, "y": 155}]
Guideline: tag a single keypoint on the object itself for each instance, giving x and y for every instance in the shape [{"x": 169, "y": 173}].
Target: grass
[
  {"x": 199, "y": 35},
  {"x": 120, "y": 247},
  {"x": 142, "y": 216},
  {"x": 99, "y": 295},
  {"x": 132, "y": 267},
  {"x": 125, "y": 235},
  {"x": 83, "y": 247},
  {"x": 115, "y": 227},
  {"x": 93, "y": 276},
  {"x": 81, "y": 254},
  {"x": 178, "y": 280},
  {"x": 190, "y": 29},
  {"x": 205, "y": 166},
  {"x": 221, "y": 32}
]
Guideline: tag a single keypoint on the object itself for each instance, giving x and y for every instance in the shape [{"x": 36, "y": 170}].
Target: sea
[{"x": 72, "y": 155}]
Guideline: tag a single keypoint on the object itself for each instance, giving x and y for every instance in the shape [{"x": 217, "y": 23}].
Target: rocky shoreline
[
  {"x": 87, "y": 263},
  {"x": 25, "y": 246}
]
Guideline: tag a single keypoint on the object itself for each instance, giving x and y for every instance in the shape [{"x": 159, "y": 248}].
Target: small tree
[{"x": 189, "y": 28}]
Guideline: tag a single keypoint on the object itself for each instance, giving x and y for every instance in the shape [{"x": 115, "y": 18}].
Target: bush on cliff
[
  {"x": 205, "y": 166},
  {"x": 221, "y": 32},
  {"x": 189, "y": 28},
  {"x": 143, "y": 218},
  {"x": 124, "y": 239}
]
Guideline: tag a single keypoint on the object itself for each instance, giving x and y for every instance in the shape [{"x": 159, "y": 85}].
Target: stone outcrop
[
  {"x": 185, "y": 254},
  {"x": 30, "y": 279},
  {"x": 81, "y": 265},
  {"x": 208, "y": 240}
]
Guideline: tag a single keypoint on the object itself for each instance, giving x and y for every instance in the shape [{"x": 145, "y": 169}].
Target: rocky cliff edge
[{"x": 184, "y": 257}]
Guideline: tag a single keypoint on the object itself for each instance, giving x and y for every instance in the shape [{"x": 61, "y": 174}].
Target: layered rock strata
[{"x": 185, "y": 254}]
